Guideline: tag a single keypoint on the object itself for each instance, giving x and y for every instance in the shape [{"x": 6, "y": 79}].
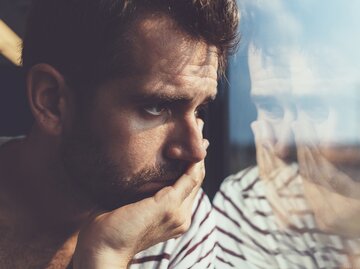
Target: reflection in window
[{"x": 300, "y": 204}]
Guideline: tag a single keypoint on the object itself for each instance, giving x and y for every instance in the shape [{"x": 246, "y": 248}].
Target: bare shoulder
[
  {"x": 14, "y": 252},
  {"x": 19, "y": 252}
]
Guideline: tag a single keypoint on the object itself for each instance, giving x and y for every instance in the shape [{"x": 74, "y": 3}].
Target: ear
[{"x": 49, "y": 98}]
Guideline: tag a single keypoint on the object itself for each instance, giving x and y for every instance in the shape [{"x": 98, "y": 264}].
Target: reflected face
[
  {"x": 291, "y": 85},
  {"x": 327, "y": 144},
  {"x": 271, "y": 93},
  {"x": 316, "y": 103},
  {"x": 327, "y": 102},
  {"x": 142, "y": 131}
]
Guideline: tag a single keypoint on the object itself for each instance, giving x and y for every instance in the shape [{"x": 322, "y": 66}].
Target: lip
[
  {"x": 342, "y": 155},
  {"x": 353, "y": 171},
  {"x": 155, "y": 186}
]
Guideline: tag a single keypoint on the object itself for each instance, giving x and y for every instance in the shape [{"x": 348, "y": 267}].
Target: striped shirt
[
  {"x": 250, "y": 236},
  {"x": 194, "y": 249}
]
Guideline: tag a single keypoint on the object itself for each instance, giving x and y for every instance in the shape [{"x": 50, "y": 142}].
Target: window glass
[{"x": 295, "y": 94}]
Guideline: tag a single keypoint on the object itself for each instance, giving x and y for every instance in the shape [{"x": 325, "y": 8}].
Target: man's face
[
  {"x": 328, "y": 107},
  {"x": 271, "y": 87},
  {"x": 142, "y": 131}
]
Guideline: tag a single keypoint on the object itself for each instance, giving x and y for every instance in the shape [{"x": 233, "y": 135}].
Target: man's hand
[
  {"x": 277, "y": 175},
  {"x": 269, "y": 164},
  {"x": 112, "y": 239},
  {"x": 332, "y": 194}
]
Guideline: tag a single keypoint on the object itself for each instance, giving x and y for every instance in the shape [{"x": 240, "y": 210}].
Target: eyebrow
[{"x": 167, "y": 98}]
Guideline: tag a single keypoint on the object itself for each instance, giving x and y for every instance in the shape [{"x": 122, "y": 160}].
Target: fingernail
[{"x": 200, "y": 125}]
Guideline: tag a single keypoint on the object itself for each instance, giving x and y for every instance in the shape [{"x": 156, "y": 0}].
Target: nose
[
  {"x": 285, "y": 147},
  {"x": 187, "y": 142}
]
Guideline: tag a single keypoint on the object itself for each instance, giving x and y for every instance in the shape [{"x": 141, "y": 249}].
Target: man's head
[
  {"x": 118, "y": 87},
  {"x": 90, "y": 41}
]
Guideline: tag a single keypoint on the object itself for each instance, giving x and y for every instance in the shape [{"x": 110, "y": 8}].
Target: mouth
[
  {"x": 155, "y": 186},
  {"x": 353, "y": 171}
]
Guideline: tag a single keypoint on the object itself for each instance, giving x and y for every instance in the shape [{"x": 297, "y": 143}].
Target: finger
[
  {"x": 206, "y": 144},
  {"x": 260, "y": 154},
  {"x": 183, "y": 187},
  {"x": 316, "y": 168},
  {"x": 200, "y": 124},
  {"x": 200, "y": 172},
  {"x": 263, "y": 132},
  {"x": 264, "y": 141},
  {"x": 308, "y": 152},
  {"x": 190, "y": 181}
]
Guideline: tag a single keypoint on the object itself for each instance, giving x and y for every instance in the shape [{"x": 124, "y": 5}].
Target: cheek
[
  {"x": 131, "y": 146},
  {"x": 330, "y": 132},
  {"x": 276, "y": 126}
]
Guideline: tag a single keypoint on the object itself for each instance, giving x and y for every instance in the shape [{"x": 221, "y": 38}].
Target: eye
[
  {"x": 272, "y": 110},
  {"x": 156, "y": 110}
]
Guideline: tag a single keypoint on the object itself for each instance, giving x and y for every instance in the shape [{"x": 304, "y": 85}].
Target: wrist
[{"x": 101, "y": 259}]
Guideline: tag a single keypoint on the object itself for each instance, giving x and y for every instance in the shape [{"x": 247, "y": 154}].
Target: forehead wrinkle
[
  {"x": 180, "y": 88},
  {"x": 164, "y": 42},
  {"x": 191, "y": 85},
  {"x": 192, "y": 71},
  {"x": 197, "y": 61},
  {"x": 170, "y": 97}
]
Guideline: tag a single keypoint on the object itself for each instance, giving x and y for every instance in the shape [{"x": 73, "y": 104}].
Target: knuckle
[
  {"x": 185, "y": 226},
  {"x": 175, "y": 220},
  {"x": 178, "y": 222},
  {"x": 170, "y": 216},
  {"x": 194, "y": 182}
]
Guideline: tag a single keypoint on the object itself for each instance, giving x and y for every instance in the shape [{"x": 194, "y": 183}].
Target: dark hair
[{"x": 85, "y": 39}]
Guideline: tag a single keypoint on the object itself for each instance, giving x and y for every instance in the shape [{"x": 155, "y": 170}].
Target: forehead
[
  {"x": 166, "y": 64},
  {"x": 291, "y": 71},
  {"x": 268, "y": 74},
  {"x": 167, "y": 59},
  {"x": 158, "y": 42}
]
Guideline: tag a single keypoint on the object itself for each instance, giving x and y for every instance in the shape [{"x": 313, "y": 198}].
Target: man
[
  {"x": 114, "y": 161},
  {"x": 297, "y": 211}
]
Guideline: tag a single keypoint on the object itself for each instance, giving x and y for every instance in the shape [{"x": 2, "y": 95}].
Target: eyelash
[
  {"x": 200, "y": 111},
  {"x": 162, "y": 109}
]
